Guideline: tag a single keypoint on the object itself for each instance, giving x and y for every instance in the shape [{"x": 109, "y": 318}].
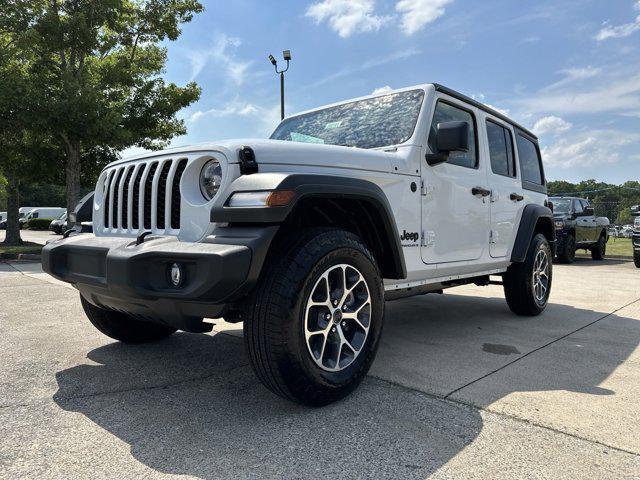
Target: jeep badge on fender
[
  {"x": 411, "y": 236},
  {"x": 299, "y": 236}
]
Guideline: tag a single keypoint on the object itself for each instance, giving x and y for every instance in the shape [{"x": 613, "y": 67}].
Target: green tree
[{"x": 96, "y": 74}]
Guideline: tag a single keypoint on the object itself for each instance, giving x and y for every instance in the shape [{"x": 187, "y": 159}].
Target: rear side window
[
  {"x": 500, "y": 150},
  {"x": 530, "y": 164},
  {"x": 445, "y": 112}
]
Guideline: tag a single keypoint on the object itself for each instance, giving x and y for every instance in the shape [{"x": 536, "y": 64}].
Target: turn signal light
[{"x": 280, "y": 198}]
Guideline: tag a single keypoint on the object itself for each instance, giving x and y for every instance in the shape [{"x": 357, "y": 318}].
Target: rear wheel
[
  {"x": 527, "y": 285},
  {"x": 123, "y": 327},
  {"x": 568, "y": 253},
  {"x": 599, "y": 250},
  {"x": 314, "y": 321},
  {"x": 636, "y": 258}
]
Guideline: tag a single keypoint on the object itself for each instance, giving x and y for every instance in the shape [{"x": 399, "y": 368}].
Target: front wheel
[
  {"x": 636, "y": 258},
  {"x": 527, "y": 285},
  {"x": 123, "y": 327},
  {"x": 568, "y": 252},
  {"x": 599, "y": 250},
  {"x": 313, "y": 323}
]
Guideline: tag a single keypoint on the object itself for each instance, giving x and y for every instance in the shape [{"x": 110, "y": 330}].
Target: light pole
[{"x": 287, "y": 56}]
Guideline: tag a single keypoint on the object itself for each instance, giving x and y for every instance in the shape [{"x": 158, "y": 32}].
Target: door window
[
  {"x": 577, "y": 206},
  {"x": 500, "y": 150},
  {"x": 445, "y": 112},
  {"x": 530, "y": 164}
]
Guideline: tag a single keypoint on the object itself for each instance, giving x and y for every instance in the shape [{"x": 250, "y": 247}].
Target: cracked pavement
[{"x": 461, "y": 388}]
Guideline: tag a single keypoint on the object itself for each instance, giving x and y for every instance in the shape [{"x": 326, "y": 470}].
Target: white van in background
[
  {"x": 44, "y": 212},
  {"x": 3, "y": 216}
]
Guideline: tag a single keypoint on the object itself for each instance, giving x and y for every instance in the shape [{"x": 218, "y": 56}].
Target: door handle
[
  {"x": 480, "y": 191},
  {"x": 516, "y": 198}
]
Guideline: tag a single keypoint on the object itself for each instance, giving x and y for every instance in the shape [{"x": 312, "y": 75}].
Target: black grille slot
[
  {"x": 175, "y": 194},
  {"x": 107, "y": 197},
  {"x": 148, "y": 184},
  {"x": 116, "y": 199},
  {"x": 162, "y": 194},
  {"x": 136, "y": 198},
  {"x": 124, "y": 218}
]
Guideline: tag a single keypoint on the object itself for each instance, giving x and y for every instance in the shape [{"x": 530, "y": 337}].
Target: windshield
[
  {"x": 372, "y": 123},
  {"x": 561, "y": 205}
]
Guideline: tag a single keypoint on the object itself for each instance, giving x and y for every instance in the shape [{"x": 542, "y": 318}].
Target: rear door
[
  {"x": 507, "y": 200},
  {"x": 455, "y": 220}
]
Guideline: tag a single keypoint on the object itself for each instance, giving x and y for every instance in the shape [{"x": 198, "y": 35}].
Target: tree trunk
[
  {"x": 12, "y": 238},
  {"x": 72, "y": 149}
]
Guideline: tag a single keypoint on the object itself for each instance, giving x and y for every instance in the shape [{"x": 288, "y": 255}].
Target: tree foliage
[{"x": 95, "y": 74}]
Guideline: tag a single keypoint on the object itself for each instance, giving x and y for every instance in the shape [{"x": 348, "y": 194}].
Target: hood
[{"x": 279, "y": 152}]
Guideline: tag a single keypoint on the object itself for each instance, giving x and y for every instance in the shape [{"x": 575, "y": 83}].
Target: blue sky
[{"x": 569, "y": 69}]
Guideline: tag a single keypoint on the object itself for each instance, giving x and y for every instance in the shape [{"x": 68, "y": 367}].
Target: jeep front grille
[{"x": 143, "y": 196}]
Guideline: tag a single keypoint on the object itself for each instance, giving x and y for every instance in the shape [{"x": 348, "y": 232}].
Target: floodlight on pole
[{"x": 287, "y": 57}]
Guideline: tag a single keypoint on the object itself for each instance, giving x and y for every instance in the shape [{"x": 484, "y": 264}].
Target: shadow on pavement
[{"x": 191, "y": 405}]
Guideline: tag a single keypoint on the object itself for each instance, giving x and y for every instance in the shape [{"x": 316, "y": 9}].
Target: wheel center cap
[{"x": 337, "y": 316}]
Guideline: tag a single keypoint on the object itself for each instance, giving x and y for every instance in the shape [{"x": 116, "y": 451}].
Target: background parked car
[
  {"x": 59, "y": 225},
  {"x": 22, "y": 213},
  {"x": 577, "y": 227},
  {"x": 635, "y": 211}
]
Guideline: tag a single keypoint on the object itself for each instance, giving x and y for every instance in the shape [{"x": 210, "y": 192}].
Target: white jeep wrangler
[{"x": 304, "y": 236}]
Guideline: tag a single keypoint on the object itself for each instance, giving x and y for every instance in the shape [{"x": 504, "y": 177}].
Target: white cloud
[
  {"x": 366, "y": 65},
  {"x": 234, "y": 108},
  {"x": 621, "y": 96},
  {"x": 415, "y": 14},
  {"x": 347, "y": 16},
  {"x": 571, "y": 75},
  {"x": 591, "y": 148},
  {"x": 619, "y": 31},
  {"x": 381, "y": 90},
  {"x": 551, "y": 124},
  {"x": 235, "y": 69}
]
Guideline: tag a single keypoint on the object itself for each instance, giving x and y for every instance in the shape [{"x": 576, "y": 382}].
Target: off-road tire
[
  {"x": 568, "y": 252},
  {"x": 274, "y": 317},
  {"x": 636, "y": 258},
  {"x": 599, "y": 250},
  {"x": 123, "y": 327},
  {"x": 518, "y": 281}
]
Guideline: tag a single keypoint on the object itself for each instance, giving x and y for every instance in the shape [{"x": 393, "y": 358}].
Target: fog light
[{"x": 176, "y": 275}]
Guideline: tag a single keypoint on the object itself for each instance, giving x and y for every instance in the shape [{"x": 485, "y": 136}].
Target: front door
[
  {"x": 507, "y": 199},
  {"x": 583, "y": 225},
  {"x": 455, "y": 201}
]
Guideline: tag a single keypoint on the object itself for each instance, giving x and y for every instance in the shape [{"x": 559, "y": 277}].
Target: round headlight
[{"x": 210, "y": 179}]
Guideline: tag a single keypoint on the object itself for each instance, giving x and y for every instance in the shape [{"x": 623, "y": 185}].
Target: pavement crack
[
  {"x": 539, "y": 348},
  {"x": 460, "y": 403}
]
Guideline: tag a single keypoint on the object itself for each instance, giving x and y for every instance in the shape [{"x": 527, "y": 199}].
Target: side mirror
[
  {"x": 450, "y": 137},
  {"x": 589, "y": 211}
]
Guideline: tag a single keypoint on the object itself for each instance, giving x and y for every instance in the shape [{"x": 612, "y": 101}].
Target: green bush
[{"x": 39, "y": 223}]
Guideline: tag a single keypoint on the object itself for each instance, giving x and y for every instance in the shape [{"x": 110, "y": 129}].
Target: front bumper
[{"x": 117, "y": 274}]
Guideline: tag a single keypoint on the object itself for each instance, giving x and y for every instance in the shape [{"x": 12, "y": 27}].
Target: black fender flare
[
  {"x": 531, "y": 216},
  {"x": 308, "y": 186}
]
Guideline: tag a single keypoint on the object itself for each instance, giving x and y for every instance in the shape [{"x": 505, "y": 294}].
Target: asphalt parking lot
[{"x": 461, "y": 388}]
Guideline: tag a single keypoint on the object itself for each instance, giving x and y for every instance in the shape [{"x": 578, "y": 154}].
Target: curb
[
  {"x": 608, "y": 257},
  {"x": 31, "y": 257}
]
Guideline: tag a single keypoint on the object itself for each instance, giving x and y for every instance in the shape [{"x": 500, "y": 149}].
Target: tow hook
[{"x": 142, "y": 236}]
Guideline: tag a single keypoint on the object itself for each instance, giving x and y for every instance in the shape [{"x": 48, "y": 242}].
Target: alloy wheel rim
[
  {"x": 541, "y": 276},
  {"x": 337, "y": 317}
]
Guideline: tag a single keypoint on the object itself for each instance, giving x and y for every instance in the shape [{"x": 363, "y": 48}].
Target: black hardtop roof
[{"x": 482, "y": 106}]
